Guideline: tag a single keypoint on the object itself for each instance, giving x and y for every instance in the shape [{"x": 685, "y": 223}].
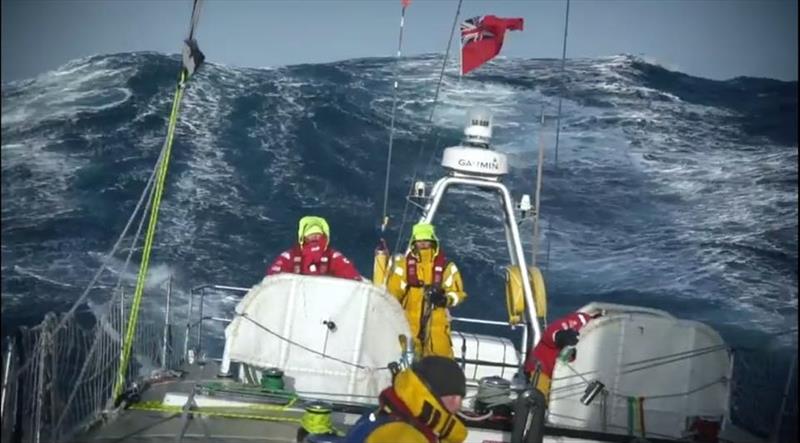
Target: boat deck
[
  {"x": 266, "y": 422},
  {"x": 151, "y": 426}
]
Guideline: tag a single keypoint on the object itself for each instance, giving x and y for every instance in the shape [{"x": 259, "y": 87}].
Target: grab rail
[
  {"x": 524, "y": 336},
  {"x": 201, "y": 291}
]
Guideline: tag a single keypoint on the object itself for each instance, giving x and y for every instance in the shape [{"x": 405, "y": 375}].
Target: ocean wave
[{"x": 654, "y": 166}]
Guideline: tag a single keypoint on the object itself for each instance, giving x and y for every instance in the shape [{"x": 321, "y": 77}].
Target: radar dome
[{"x": 478, "y": 131}]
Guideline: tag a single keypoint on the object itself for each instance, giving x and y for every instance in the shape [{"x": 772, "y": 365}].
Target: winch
[{"x": 494, "y": 395}]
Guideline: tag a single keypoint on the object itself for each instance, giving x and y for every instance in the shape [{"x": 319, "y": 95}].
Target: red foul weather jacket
[
  {"x": 546, "y": 351},
  {"x": 326, "y": 262}
]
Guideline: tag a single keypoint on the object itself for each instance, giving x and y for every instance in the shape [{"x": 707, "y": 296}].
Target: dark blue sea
[{"x": 669, "y": 191}]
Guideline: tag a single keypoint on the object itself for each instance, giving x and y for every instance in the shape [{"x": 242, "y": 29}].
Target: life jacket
[
  {"x": 439, "y": 263},
  {"x": 391, "y": 409},
  {"x": 399, "y": 411},
  {"x": 409, "y": 400},
  {"x": 410, "y": 397},
  {"x": 296, "y": 258}
]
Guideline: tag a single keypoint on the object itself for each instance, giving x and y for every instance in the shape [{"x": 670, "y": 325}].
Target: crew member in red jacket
[
  {"x": 312, "y": 255},
  {"x": 558, "y": 335}
]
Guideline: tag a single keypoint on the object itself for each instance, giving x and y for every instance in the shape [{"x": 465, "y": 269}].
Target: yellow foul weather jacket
[
  {"x": 409, "y": 413},
  {"x": 412, "y": 298}
]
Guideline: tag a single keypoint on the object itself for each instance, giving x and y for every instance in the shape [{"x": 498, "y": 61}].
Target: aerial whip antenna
[
  {"x": 561, "y": 94},
  {"x": 385, "y": 216},
  {"x": 380, "y": 264}
]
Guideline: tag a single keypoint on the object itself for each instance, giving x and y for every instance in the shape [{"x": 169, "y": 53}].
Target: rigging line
[
  {"x": 148, "y": 242},
  {"x": 385, "y": 218},
  {"x": 186, "y": 416},
  {"x": 301, "y": 398},
  {"x": 664, "y": 359},
  {"x": 447, "y": 53},
  {"x": 294, "y": 343},
  {"x": 430, "y": 123},
  {"x": 192, "y": 59},
  {"x": 82, "y": 299},
  {"x": 650, "y": 434},
  {"x": 549, "y": 227},
  {"x": 651, "y": 397},
  {"x": 109, "y": 255},
  {"x": 538, "y": 191},
  {"x": 117, "y": 294},
  {"x": 117, "y": 291},
  {"x": 671, "y": 358},
  {"x": 561, "y": 93},
  {"x": 776, "y": 428},
  {"x": 707, "y": 351},
  {"x": 196, "y": 7}
]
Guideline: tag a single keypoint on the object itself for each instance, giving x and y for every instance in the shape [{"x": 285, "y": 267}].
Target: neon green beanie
[
  {"x": 312, "y": 225},
  {"x": 423, "y": 231}
]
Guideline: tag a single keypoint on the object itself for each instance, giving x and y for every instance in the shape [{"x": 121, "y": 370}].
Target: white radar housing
[
  {"x": 475, "y": 161},
  {"x": 479, "y": 128}
]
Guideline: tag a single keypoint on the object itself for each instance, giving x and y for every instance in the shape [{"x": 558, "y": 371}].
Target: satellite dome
[{"x": 478, "y": 131}]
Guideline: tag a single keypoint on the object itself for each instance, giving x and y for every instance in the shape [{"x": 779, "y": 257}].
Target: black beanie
[{"x": 442, "y": 374}]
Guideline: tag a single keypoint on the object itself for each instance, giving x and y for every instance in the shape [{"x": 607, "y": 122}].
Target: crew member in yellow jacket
[
  {"x": 427, "y": 284},
  {"x": 419, "y": 407}
]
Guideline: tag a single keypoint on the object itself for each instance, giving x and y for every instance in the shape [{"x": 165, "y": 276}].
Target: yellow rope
[
  {"x": 155, "y": 406},
  {"x": 315, "y": 422},
  {"x": 148, "y": 242}
]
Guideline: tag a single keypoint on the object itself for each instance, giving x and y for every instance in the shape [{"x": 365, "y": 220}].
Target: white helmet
[{"x": 479, "y": 127}]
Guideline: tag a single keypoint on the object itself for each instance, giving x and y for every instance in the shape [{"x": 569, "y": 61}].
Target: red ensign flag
[{"x": 482, "y": 39}]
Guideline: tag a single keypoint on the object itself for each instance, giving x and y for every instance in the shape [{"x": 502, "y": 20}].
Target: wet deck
[{"x": 143, "y": 426}]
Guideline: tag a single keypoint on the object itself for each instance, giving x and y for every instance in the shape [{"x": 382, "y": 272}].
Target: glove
[
  {"x": 436, "y": 296},
  {"x": 566, "y": 337}
]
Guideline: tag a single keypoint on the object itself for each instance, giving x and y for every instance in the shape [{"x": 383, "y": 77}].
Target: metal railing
[
  {"x": 194, "y": 323},
  {"x": 58, "y": 376},
  {"x": 522, "y": 326},
  {"x": 201, "y": 291},
  {"x": 764, "y": 386}
]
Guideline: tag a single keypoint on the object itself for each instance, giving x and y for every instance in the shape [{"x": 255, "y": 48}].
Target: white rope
[
  {"x": 474, "y": 418},
  {"x": 492, "y": 396}
]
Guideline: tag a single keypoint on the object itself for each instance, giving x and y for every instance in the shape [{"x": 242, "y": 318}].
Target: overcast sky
[{"x": 716, "y": 39}]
